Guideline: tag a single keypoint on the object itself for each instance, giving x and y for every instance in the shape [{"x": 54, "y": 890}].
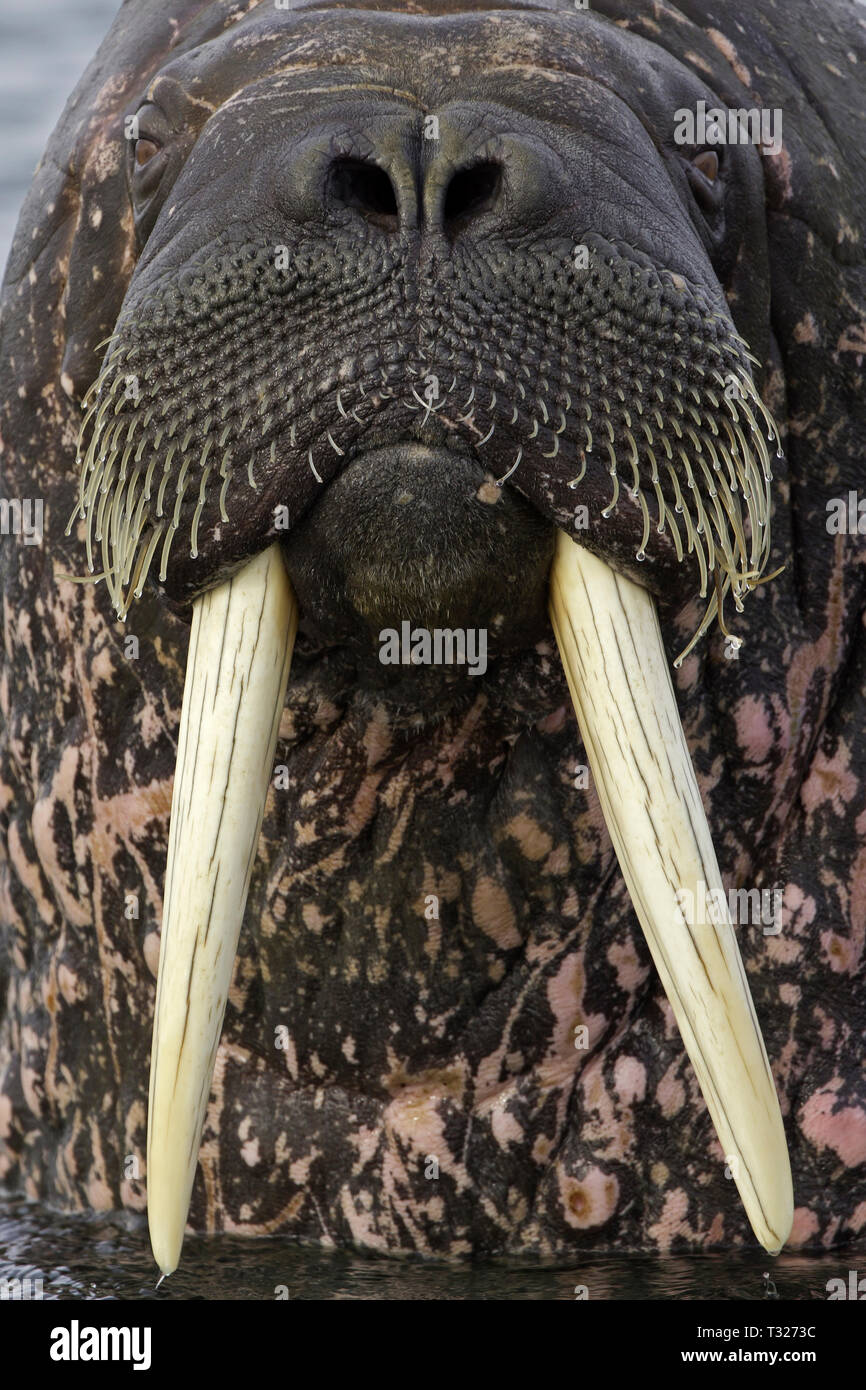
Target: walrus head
[
  {"x": 405, "y": 329},
  {"x": 457, "y": 281},
  {"x": 378, "y": 332}
]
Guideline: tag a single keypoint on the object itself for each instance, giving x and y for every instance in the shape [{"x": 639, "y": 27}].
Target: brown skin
[{"x": 412, "y": 1036}]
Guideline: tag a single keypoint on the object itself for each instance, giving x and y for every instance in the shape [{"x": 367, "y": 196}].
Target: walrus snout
[{"x": 482, "y": 182}]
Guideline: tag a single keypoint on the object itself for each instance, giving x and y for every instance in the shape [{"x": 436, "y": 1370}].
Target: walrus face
[
  {"x": 520, "y": 306},
  {"x": 407, "y": 322}
]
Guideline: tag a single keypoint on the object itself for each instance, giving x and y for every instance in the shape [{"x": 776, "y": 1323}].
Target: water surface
[{"x": 102, "y": 1257}]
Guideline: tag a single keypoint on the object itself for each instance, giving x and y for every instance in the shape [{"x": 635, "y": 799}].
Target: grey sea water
[{"x": 44, "y": 47}]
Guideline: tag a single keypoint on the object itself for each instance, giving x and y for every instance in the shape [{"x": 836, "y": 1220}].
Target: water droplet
[{"x": 640, "y": 555}]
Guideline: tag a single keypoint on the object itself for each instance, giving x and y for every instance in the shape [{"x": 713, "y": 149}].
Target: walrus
[{"x": 442, "y": 658}]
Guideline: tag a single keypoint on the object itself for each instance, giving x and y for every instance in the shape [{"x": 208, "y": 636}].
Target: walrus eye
[
  {"x": 708, "y": 164},
  {"x": 145, "y": 150},
  {"x": 703, "y": 174},
  {"x": 154, "y": 157}
]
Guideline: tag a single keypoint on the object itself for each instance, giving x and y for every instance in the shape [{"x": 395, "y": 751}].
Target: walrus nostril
[
  {"x": 367, "y": 189},
  {"x": 470, "y": 193}
]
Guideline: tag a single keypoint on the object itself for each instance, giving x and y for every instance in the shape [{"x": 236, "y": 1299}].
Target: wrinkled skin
[{"x": 411, "y": 1035}]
